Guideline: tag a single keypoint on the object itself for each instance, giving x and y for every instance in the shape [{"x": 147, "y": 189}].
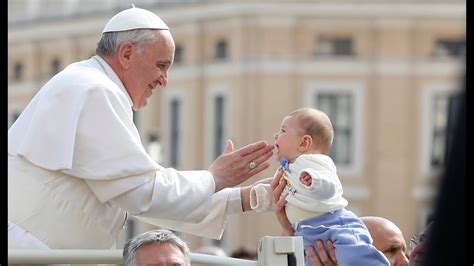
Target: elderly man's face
[
  {"x": 393, "y": 246},
  {"x": 160, "y": 254},
  {"x": 388, "y": 238},
  {"x": 149, "y": 68}
]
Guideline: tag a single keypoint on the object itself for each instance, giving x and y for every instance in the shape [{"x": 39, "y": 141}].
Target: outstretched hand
[{"x": 234, "y": 167}]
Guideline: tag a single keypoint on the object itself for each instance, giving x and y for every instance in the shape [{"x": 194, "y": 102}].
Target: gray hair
[
  {"x": 155, "y": 236},
  {"x": 110, "y": 41}
]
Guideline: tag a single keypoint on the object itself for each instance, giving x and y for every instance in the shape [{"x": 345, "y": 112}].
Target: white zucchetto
[{"x": 134, "y": 18}]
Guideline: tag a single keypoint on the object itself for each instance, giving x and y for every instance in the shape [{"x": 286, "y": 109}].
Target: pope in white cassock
[{"x": 76, "y": 165}]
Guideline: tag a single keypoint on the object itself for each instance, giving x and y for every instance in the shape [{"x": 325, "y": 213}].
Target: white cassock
[{"x": 76, "y": 167}]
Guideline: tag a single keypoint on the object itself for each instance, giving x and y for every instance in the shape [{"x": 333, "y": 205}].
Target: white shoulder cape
[{"x": 81, "y": 123}]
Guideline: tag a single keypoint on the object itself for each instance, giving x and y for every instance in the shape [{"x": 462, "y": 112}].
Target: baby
[{"x": 315, "y": 206}]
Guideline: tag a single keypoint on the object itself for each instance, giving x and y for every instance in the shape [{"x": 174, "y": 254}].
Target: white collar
[{"x": 113, "y": 76}]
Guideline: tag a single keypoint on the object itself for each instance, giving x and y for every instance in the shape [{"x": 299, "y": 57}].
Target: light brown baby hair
[{"x": 316, "y": 124}]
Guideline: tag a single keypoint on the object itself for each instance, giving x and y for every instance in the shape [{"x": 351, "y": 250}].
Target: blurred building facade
[{"x": 386, "y": 72}]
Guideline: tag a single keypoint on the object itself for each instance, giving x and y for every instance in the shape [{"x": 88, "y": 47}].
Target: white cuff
[{"x": 261, "y": 198}]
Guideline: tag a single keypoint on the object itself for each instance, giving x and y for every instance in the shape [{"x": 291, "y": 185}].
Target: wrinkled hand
[
  {"x": 325, "y": 258},
  {"x": 232, "y": 167},
  {"x": 278, "y": 185}
]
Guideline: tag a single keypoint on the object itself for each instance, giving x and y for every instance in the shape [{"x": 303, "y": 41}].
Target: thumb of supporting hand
[{"x": 229, "y": 148}]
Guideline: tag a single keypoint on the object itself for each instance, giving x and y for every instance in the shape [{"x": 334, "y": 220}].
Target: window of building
[
  {"x": 450, "y": 48},
  {"x": 175, "y": 132},
  {"x": 338, "y": 46},
  {"x": 439, "y": 107},
  {"x": 173, "y": 127},
  {"x": 221, "y": 49},
  {"x": 178, "y": 54},
  {"x": 55, "y": 66},
  {"x": 217, "y": 121},
  {"x": 339, "y": 106},
  {"x": 18, "y": 71},
  {"x": 219, "y": 108},
  {"x": 343, "y": 104},
  {"x": 442, "y": 116}
]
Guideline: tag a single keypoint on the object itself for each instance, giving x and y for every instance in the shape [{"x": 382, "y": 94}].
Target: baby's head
[{"x": 304, "y": 131}]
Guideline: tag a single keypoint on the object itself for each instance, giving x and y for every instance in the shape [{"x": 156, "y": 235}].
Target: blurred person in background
[{"x": 388, "y": 238}]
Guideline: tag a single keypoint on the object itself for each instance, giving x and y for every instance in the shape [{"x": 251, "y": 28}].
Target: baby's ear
[{"x": 306, "y": 143}]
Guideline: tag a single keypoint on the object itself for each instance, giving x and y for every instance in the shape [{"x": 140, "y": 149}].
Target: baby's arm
[{"x": 320, "y": 184}]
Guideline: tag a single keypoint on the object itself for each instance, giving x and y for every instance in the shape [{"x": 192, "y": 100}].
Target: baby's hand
[{"x": 305, "y": 178}]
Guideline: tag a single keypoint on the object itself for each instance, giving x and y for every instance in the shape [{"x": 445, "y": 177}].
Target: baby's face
[{"x": 288, "y": 139}]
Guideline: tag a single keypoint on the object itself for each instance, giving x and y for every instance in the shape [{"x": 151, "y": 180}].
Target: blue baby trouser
[{"x": 350, "y": 237}]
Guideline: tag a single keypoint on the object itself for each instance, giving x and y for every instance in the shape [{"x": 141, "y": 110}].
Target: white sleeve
[
  {"x": 323, "y": 186},
  {"x": 180, "y": 206},
  {"x": 167, "y": 193},
  {"x": 109, "y": 189},
  {"x": 223, "y": 204}
]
